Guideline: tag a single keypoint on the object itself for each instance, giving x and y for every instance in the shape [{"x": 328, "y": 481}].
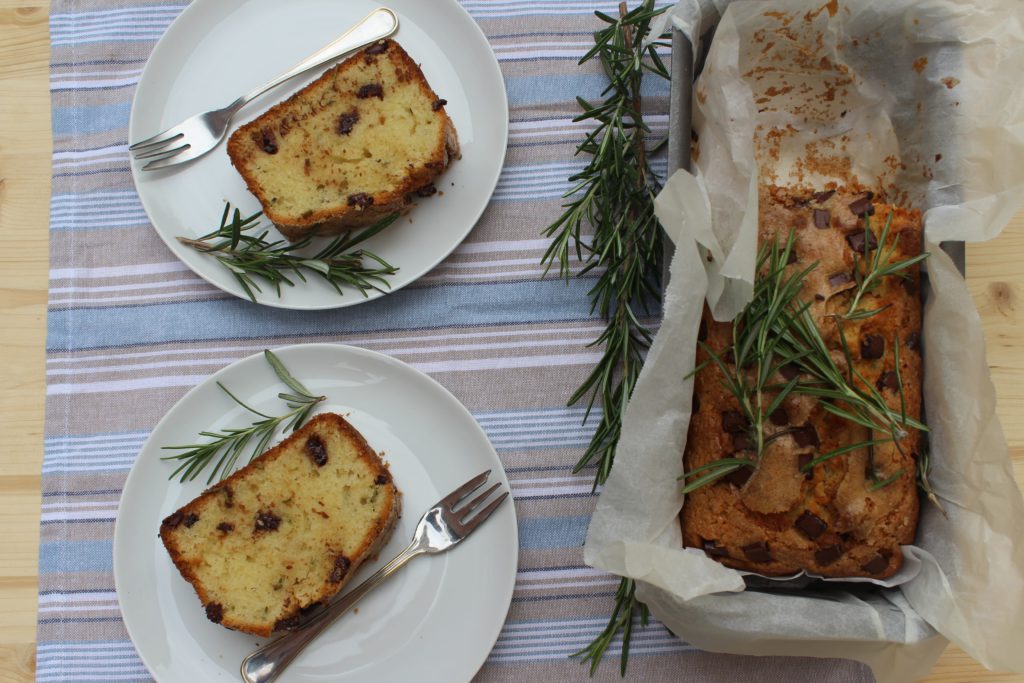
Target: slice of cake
[
  {"x": 287, "y": 531},
  {"x": 357, "y": 144}
]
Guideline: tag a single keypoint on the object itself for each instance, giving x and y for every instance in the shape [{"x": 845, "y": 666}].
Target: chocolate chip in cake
[
  {"x": 757, "y": 552},
  {"x": 877, "y": 564},
  {"x": 316, "y": 450},
  {"x": 839, "y": 279},
  {"x": 360, "y": 199},
  {"x": 714, "y": 550},
  {"x": 802, "y": 461},
  {"x": 225, "y": 527},
  {"x": 729, "y": 356},
  {"x": 426, "y": 191},
  {"x": 828, "y": 555},
  {"x": 863, "y": 206},
  {"x": 742, "y": 442},
  {"x": 819, "y": 297},
  {"x": 347, "y": 121},
  {"x": 913, "y": 341},
  {"x": 287, "y": 624},
  {"x": 174, "y": 520},
  {"x": 823, "y": 196},
  {"x": 695, "y": 407},
  {"x": 190, "y": 519},
  {"x": 341, "y": 567},
  {"x": 733, "y": 422},
  {"x": 267, "y": 521},
  {"x": 872, "y": 346},
  {"x": 822, "y": 218},
  {"x": 858, "y": 239},
  {"x": 702, "y": 331},
  {"x": 378, "y": 48},
  {"x": 438, "y": 103},
  {"x": 267, "y": 142},
  {"x": 382, "y": 478},
  {"x": 789, "y": 371},
  {"x": 740, "y": 477},
  {"x": 811, "y": 524},
  {"x": 888, "y": 380},
  {"x": 779, "y": 417},
  {"x": 806, "y": 436},
  {"x": 370, "y": 90},
  {"x": 791, "y": 258},
  {"x": 215, "y": 612}
]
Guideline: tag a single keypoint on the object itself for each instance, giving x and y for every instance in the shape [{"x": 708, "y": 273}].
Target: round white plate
[
  {"x": 435, "y": 620},
  {"x": 217, "y": 49}
]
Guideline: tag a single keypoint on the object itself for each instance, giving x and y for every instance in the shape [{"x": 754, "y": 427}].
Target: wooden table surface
[{"x": 995, "y": 277}]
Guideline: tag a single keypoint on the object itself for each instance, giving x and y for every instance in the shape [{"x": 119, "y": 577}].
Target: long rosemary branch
[{"x": 614, "y": 194}]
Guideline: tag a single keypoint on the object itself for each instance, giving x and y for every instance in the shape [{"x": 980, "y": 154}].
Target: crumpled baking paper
[{"x": 921, "y": 100}]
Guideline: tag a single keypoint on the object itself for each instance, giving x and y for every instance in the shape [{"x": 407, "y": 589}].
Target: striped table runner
[{"x": 131, "y": 329}]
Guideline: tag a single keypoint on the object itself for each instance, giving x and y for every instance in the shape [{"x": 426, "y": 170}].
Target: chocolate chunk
[
  {"x": 267, "y": 521},
  {"x": 913, "y": 341},
  {"x": 287, "y": 624},
  {"x": 341, "y": 566},
  {"x": 267, "y": 142},
  {"x": 779, "y": 417},
  {"x": 872, "y": 346},
  {"x": 347, "y": 121},
  {"x": 360, "y": 199},
  {"x": 909, "y": 286},
  {"x": 215, "y": 612},
  {"x": 378, "y": 48},
  {"x": 190, "y": 519},
  {"x": 702, "y": 331},
  {"x": 822, "y": 219},
  {"x": 819, "y": 297},
  {"x": 729, "y": 356},
  {"x": 438, "y": 103},
  {"x": 802, "y": 461},
  {"x": 316, "y": 451},
  {"x": 382, "y": 478},
  {"x": 225, "y": 527},
  {"x": 863, "y": 205},
  {"x": 733, "y": 422},
  {"x": 826, "y": 556},
  {"x": 791, "y": 258},
  {"x": 695, "y": 408},
  {"x": 757, "y": 552},
  {"x": 888, "y": 380},
  {"x": 876, "y": 565},
  {"x": 740, "y": 477},
  {"x": 789, "y": 371},
  {"x": 742, "y": 442},
  {"x": 371, "y": 90},
  {"x": 174, "y": 521},
  {"x": 824, "y": 196},
  {"x": 857, "y": 240},
  {"x": 812, "y": 525},
  {"x": 839, "y": 279},
  {"x": 426, "y": 191},
  {"x": 714, "y": 550},
  {"x": 805, "y": 436}
]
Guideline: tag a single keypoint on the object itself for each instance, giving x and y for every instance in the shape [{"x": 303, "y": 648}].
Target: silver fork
[
  {"x": 440, "y": 528},
  {"x": 197, "y": 135}
]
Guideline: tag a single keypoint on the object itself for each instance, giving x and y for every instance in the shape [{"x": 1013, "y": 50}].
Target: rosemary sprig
[
  {"x": 231, "y": 442},
  {"x": 251, "y": 257},
  {"x": 614, "y": 194},
  {"x": 877, "y": 266}
]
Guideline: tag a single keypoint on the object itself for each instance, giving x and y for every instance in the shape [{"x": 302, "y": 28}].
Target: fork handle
[
  {"x": 268, "y": 662},
  {"x": 380, "y": 23}
]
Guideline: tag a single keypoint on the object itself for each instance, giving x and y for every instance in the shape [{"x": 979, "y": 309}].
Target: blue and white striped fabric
[{"x": 131, "y": 329}]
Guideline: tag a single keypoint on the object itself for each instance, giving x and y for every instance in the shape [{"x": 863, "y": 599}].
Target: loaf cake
[
  {"x": 287, "y": 531},
  {"x": 848, "y": 515},
  {"x": 355, "y": 145}
]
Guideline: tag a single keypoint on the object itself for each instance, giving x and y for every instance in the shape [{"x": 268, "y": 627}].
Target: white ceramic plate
[
  {"x": 217, "y": 49},
  {"x": 435, "y": 620}
]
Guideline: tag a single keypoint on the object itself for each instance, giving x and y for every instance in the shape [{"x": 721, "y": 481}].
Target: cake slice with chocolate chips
[
  {"x": 357, "y": 144},
  {"x": 287, "y": 531}
]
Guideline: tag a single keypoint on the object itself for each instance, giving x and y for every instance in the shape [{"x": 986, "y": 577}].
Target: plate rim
[
  {"x": 266, "y": 298},
  {"x": 117, "y": 540}
]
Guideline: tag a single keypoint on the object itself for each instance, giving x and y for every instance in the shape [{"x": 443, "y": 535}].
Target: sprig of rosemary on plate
[
  {"x": 614, "y": 194},
  {"x": 230, "y": 443},
  {"x": 250, "y": 256}
]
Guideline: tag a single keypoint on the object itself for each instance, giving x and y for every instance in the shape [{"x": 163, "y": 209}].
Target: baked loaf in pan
[
  {"x": 849, "y": 514},
  {"x": 287, "y": 531},
  {"x": 355, "y": 145}
]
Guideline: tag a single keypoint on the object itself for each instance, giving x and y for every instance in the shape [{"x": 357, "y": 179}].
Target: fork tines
[{"x": 454, "y": 502}]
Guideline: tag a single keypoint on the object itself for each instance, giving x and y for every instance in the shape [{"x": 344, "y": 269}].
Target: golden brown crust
[
  {"x": 829, "y": 523},
  {"x": 335, "y": 576},
  {"x": 284, "y": 116}
]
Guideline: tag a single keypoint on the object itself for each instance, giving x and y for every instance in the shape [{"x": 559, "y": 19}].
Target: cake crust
[
  {"x": 288, "y": 531},
  {"x": 361, "y": 142},
  {"x": 834, "y": 521}
]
